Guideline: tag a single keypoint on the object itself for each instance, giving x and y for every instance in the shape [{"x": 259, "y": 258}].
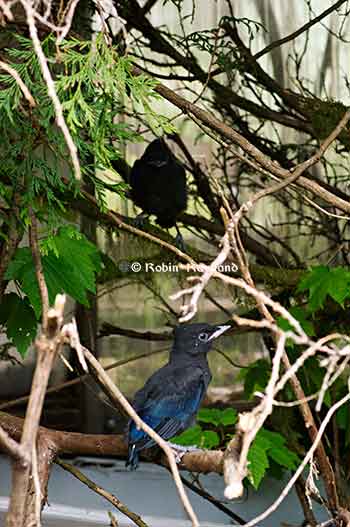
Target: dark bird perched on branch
[
  {"x": 171, "y": 397},
  {"x": 158, "y": 185}
]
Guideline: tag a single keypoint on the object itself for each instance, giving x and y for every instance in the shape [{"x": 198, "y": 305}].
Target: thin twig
[
  {"x": 68, "y": 21},
  {"x": 78, "y": 380},
  {"x": 116, "y": 394},
  {"x": 19, "y": 81},
  {"x": 214, "y": 501},
  {"x": 6, "y": 9},
  {"x": 30, "y": 14},
  {"x": 34, "y": 244},
  {"x": 301, "y": 467},
  {"x": 299, "y": 31},
  {"x": 102, "y": 492}
]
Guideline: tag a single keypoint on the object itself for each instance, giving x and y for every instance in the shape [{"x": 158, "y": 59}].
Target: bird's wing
[{"x": 168, "y": 404}]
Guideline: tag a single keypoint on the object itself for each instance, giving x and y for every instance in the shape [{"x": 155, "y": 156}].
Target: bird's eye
[{"x": 203, "y": 337}]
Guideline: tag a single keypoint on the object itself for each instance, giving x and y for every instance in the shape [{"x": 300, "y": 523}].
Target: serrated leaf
[
  {"x": 273, "y": 438},
  {"x": 21, "y": 269},
  {"x": 69, "y": 265},
  {"x": 321, "y": 281},
  {"x": 18, "y": 317},
  {"x": 82, "y": 255},
  {"x": 217, "y": 417},
  {"x": 269, "y": 445},
  {"x": 339, "y": 288},
  {"x": 198, "y": 437},
  {"x": 284, "y": 457},
  {"x": 258, "y": 463}
]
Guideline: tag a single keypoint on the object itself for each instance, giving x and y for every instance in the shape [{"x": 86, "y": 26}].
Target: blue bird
[{"x": 170, "y": 399}]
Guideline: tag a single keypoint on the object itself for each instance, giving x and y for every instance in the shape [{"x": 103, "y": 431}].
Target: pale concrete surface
[{"x": 149, "y": 492}]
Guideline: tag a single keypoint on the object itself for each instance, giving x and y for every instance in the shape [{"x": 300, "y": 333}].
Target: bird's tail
[{"x": 133, "y": 457}]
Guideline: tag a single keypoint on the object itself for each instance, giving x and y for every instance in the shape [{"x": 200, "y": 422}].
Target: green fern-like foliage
[{"x": 94, "y": 84}]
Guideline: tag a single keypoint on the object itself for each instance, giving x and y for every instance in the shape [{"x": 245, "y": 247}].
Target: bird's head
[
  {"x": 194, "y": 339},
  {"x": 157, "y": 152}
]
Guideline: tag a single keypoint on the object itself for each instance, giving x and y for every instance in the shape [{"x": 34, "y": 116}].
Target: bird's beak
[{"x": 219, "y": 331}]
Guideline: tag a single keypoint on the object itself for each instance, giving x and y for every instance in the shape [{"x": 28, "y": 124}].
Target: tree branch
[
  {"x": 299, "y": 31},
  {"x": 111, "y": 498}
]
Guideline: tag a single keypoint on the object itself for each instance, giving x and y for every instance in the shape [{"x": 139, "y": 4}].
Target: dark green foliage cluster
[
  {"x": 203, "y": 437},
  {"x": 219, "y": 45},
  {"x": 271, "y": 452},
  {"x": 95, "y": 85},
  {"x": 70, "y": 265},
  {"x": 322, "y": 282},
  {"x": 215, "y": 428}
]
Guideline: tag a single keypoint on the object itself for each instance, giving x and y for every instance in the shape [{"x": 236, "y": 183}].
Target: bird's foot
[
  {"x": 179, "y": 242},
  {"x": 140, "y": 220},
  {"x": 181, "y": 450}
]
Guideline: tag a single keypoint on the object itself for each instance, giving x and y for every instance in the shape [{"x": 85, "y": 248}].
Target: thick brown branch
[
  {"x": 228, "y": 133},
  {"x": 107, "y": 445},
  {"x": 226, "y": 98},
  {"x": 47, "y": 346}
]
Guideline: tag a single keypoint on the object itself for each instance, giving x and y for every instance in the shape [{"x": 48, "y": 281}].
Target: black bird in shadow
[{"x": 158, "y": 185}]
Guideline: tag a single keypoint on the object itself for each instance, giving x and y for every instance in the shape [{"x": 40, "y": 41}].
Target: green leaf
[
  {"x": 198, "y": 437},
  {"x": 321, "y": 281},
  {"x": 217, "y": 417},
  {"x": 70, "y": 263},
  {"x": 273, "y": 438},
  {"x": 277, "y": 450},
  {"x": 209, "y": 415},
  {"x": 228, "y": 416},
  {"x": 17, "y": 315},
  {"x": 258, "y": 462},
  {"x": 21, "y": 269},
  {"x": 209, "y": 439},
  {"x": 284, "y": 457},
  {"x": 191, "y": 436},
  {"x": 269, "y": 445},
  {"x": 256, "y": 377}
]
